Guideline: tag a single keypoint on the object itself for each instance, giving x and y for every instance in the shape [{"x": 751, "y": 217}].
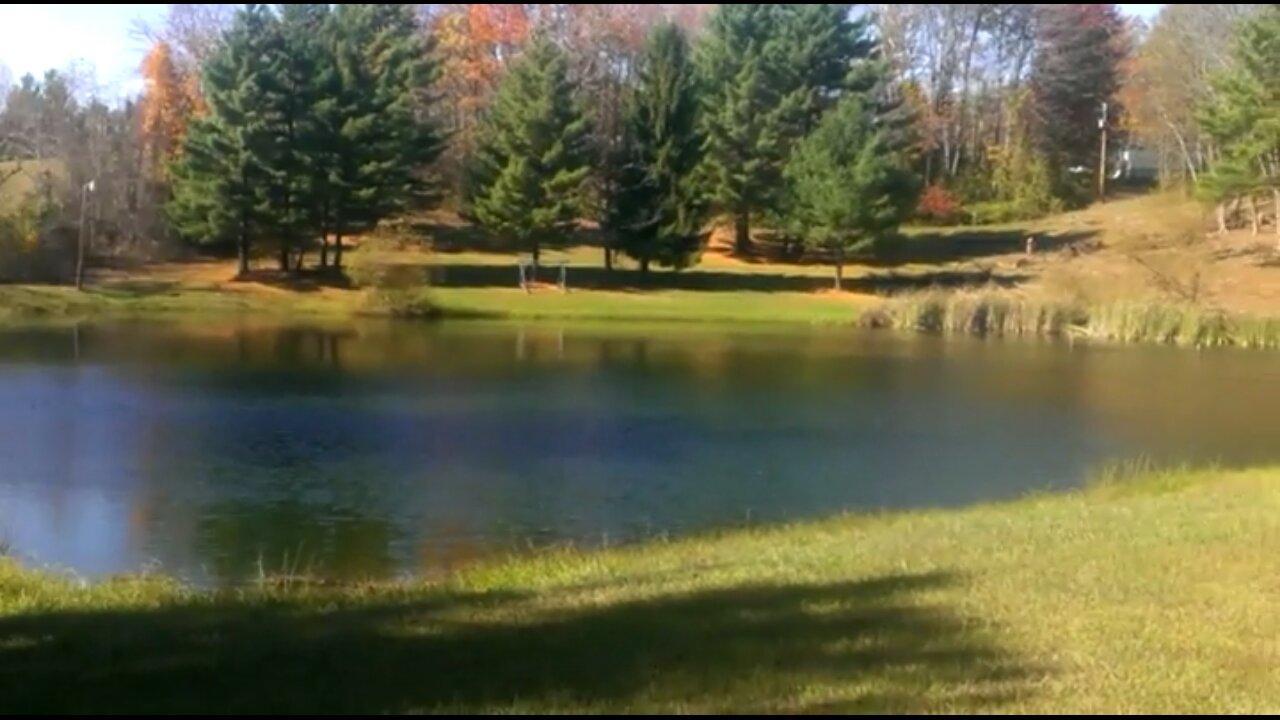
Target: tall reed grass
[{"x": 1001, "y": 314}]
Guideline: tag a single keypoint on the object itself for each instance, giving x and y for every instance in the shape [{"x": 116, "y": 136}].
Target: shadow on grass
[
  {"x": 970, "y": 244},
  {"x": 594, "y": 278},
  {"x": 937, "y": 245},
  {"x": 138, "y": 288},
  {"x": 460, "y": 236},
  {"x": 867, "y": 645},
  {"x": 306, "y": 280}
]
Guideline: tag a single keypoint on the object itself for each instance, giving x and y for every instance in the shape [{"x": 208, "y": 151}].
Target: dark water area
[{"x": 214, "y": 452}]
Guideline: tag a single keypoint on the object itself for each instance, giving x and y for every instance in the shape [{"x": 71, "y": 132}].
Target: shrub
[
  {"x": 33, "y": 248},
  {"x": 938, "y": 206}
]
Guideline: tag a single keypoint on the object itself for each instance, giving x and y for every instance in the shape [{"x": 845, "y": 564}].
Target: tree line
[
  {"x": 319, "y": 122},
  {"x": 286, "y": 130}
]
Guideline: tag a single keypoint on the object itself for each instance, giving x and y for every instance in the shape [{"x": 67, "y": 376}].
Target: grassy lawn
[
  {"x": 674, "y": 305},
  {"x": 485, "y": 289},
  {"x": 156, "y": 294},
  {"x": 1118, "y": 271},
  {"x": 1155, "y": 594}
]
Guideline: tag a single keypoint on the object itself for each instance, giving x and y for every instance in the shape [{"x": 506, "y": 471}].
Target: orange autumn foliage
[
  {"x": 167, "y": 106},
  {"x": 475, "y": 42}
]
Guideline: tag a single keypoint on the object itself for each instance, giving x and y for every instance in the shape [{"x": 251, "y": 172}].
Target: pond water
[{"x": 214, "y": 452}]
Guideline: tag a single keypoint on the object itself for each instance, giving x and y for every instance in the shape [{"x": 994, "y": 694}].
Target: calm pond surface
[{"x": 383, "y": 449}]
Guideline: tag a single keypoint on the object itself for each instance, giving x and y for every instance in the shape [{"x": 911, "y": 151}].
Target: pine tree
[
  {"x": 846, "y": 187},
  {"x": 821, "y": 49},
  {"x": 290, "y": 94},
  {"x": 657, "y": 213},
  {"x": 743, "y": 116},
  {"x": 533, "y": 156},
  {"x": 374, "y": 133},
  {"x": 220, "y": 180},
  {"x": 768, "y": 73},
  {"x": 1244, "y": 120}
]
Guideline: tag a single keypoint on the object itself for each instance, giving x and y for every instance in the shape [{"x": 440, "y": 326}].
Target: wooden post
[
  {"x": 80, "y": 236},
  {"x": 1102, "y": 154}
]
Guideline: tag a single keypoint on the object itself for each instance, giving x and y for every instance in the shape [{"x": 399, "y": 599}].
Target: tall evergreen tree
[
  {"x": 374, "y": 134},
  {"x": 533, "y": 156},
  {"x": 220, "y": 180},
  {"x": 768, "y": 73},
  {"x": 658, "y": 212},
  {"x": 1244, "y": 120},
  {"x": 743, "y": 116},
  {"x": 846, "y": 186},
  {"x": 290, "y": 95},
  {"x": 821, "y": 50}
]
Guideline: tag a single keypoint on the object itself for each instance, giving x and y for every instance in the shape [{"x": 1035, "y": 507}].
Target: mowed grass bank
[
  {"x": 180, "y": 296},
  {"x": 147, "y": 298},
  {"x": 1155, "y": 594},
  {"x": 654, "y": 305}
]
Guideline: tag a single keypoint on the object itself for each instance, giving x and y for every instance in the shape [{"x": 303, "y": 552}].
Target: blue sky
[
  {"x": 1146, "y": 11},
  {"x": 34, "y": 38}
]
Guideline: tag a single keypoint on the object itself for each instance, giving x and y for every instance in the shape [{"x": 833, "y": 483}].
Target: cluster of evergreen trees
[
  {"x": 316, "y": 129},
  {"x": 748, "y": 122}
]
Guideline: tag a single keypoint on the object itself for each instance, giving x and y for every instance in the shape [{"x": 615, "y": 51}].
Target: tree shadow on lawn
[
  {"x": 940, "y": 246},
  {"x": 305, "y": 281},
  {"x": 594, "y": 278},
  {"x": 758, "y": 648},
  {"x": 461, "y": 236},
  {"x": 935, "y": 245}
]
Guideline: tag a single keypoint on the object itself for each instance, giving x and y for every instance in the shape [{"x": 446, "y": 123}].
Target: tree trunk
[
  {"x": 242, "y": 247},
  {"x": 1275, "y": 197},
  {"x": 839, "y": 269},
  {"x": 644, "y": 266},
  {"x": 742, "y": 233},
  {"x": 337, "y": 250},
  {"x": 242, "y": 251},
  {"x": 1253, "y": 215},
  {"x": 1222, "y": 218},
  {"x": 1182, "y": 147},
  {"x": 537, "y": 251},
  {"x": 608, "y": 259},
  {"x": 324, "y": 236}
]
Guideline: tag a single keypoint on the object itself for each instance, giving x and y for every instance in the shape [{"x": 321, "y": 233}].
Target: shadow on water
[{"x": 742, "y": 649}]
